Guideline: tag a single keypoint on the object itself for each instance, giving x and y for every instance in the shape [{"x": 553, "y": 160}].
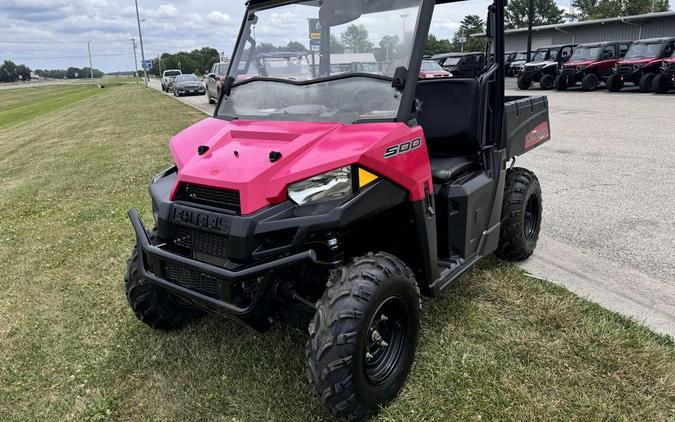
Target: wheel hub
[{"x": 385, "y": 340}]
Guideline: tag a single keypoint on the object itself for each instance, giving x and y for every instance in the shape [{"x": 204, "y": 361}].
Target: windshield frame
[
  {"x": 660, "y": 51},
  {"x": 407, "y": 91}
]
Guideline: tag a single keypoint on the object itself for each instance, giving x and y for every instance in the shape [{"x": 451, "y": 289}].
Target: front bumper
[{"x": 155, "y": 256}]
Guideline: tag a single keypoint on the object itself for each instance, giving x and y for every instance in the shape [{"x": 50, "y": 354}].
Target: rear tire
[
  {"x": 524, "y": 83},
  {"x": 614, "y": 83},
  {"x": 373, "y": 299},
  {"x": 211, "y": 100},
  {"x": 546, "y": 82},
  {"x": 521, "y": 215},
  {"x": 646, "y": 82},
  {"x": 590, "y": 82},
  {"x": 661, "y": 84},
  {"x": 152, "y": 305},
  {"x": 561, "y": 83}
]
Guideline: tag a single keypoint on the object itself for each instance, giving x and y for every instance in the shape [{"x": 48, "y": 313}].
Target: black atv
[{"x": 544, "y": 67}]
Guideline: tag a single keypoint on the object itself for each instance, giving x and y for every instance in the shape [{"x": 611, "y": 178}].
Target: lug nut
[{"x": 369, "y": 356}]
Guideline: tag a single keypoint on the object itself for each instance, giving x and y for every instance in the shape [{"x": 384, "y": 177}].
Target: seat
[{"x": 444, "y": 169}]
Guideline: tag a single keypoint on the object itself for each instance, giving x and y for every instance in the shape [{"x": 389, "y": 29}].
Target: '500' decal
[{"x": 403, "y": 148}]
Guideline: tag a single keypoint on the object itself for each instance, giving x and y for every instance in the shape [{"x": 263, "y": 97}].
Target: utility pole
[
  {"x": 91, "y": 68},
  {"x": 133, "y": 41},
  {"x": 140, "y": 36},
  {"x": 530, "y": 18},
  {"x": 159, "y": 63}
]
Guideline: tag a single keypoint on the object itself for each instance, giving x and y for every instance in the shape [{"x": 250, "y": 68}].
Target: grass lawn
[{"x": 496, "y": 346}]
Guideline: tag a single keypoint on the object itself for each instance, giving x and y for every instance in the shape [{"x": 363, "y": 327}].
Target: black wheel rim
[
  {"x": 385, "y": 341},
  {"x": 531, "y": 219}
]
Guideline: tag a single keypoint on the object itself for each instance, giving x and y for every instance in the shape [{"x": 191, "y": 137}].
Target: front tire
[
  {"x": 646, "y": 82},
  {"x": 152, "y": 305},
  {"x": 614, "y": 83},
  {"x": 524, "y": 83},
  {"x": 364, "y": 335},
  {"x": 661, "y": 84},
  {"x": 561, "y": 83},
  {"x": 521, "y": 215},
  {"x": 590, "y": 82},
  {"x": 546, "y": 82}
]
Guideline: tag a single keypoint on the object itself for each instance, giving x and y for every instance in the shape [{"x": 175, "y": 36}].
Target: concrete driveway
[{"x": 609, "y": 196}]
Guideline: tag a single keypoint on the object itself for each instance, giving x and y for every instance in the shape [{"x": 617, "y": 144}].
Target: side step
[{"x": 450, "y": 270}]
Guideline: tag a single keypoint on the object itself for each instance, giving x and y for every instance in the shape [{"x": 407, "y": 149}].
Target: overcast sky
[{"x": 51, "y": 34}]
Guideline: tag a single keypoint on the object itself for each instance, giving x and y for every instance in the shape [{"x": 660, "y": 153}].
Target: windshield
[
  {"x": 644, "y": 50},
  {"x": 311, "y": 60},
  {"x": 187, "y": 78},
  {"x": 539, "y": 56},
  {"x": 430, "y": 65},
  {"x": 521, "y": 56},
  {"x": 171, "y": 73},
  {"x": 586, "y": 53}
]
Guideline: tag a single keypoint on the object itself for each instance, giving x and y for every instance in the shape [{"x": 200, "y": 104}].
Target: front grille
[
  {"x": 625, "y": 70},
  {"x": 569, "y": 71},
  {"x": 202, "y": 242},
  {"x": 192, "y": 279},
  {"x": 215, "y": 197}
]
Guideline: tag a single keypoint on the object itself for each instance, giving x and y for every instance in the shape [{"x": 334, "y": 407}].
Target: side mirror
[{"x": 212, "y": 76}]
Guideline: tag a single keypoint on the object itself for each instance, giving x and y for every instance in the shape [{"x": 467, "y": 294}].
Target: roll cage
[{"x": 491, "y": 83}]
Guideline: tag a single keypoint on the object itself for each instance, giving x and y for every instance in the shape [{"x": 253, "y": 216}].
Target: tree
[
  {"x": 389, "y": 48},
  {"x": 23, "y": 72},
  {"x": 355, "y": 39},
  {"x": 436, "y": 46},
  {"x": 546, "y": 12},
  {"x": 336, "y": 47},
  {"x": 8, "y": 71},
  {"x": 471, "y": 24},
  {"x": 601, "y": 9}
]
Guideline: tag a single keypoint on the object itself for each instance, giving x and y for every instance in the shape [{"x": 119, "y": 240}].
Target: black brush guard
[{"x": 158, "y": 254}]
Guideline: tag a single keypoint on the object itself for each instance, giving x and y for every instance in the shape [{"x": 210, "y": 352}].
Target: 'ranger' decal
[{"x": 403, "y": 148}]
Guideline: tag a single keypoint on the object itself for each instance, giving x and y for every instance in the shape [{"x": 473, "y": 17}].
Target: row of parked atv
[{"x": 648, "y": 64}]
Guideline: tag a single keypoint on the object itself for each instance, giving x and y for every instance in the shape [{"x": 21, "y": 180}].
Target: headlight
[
  {"x": 331, "y": 185},
  {"x": 324, "y": 187}
]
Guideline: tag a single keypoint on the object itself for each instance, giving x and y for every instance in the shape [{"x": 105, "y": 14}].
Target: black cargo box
[{"x": 526, "y": 124}]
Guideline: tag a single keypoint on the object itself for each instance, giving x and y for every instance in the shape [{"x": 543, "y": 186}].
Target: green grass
[
  {"x": 24, "y": 104},
  {"x": 496, "y": 346}
]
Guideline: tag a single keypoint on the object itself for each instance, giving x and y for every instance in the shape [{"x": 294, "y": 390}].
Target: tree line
[
  {"x": 195, "y": 61},
  {"x": 11, "y": 72}
]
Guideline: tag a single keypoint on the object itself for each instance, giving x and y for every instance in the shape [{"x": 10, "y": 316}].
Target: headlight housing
[{"x": 331, "y": 185}]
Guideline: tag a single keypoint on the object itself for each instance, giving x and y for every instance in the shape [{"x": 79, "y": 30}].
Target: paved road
[{"x": 609, "y": 194}]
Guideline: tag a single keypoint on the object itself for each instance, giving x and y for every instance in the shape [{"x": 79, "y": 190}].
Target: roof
[
  {"x": 655, "y": 40},
  {"x": 625, "y": 19},
  {"x": 599, "y": 43},
  {"x": 445, "y": 55}
]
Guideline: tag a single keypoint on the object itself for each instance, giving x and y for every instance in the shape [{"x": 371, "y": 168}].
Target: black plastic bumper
[{"x": 153, "y": 252}]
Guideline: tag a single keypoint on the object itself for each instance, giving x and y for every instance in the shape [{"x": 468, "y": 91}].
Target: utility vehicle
[
  {"x": 518, "y": 64},
  {"x": 591, "y": 64},
  {"x": 512, "y": 59},
  {"x": 641, "y": 64},
  {"x": 333, "y": 202},
  {"x": 462, "y": 65},
  {"x": 665, "y": 81},
  {"x": 543, "y": 69}
]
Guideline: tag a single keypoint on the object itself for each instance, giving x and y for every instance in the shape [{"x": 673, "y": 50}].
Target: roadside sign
[
  {"x": 147, "y": 64},
  {"x": 315, "y": 45},
  {"x": 314, "y": 30}
]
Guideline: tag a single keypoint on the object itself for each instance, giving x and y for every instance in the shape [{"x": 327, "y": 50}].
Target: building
[{"x": 631, "y": 28}]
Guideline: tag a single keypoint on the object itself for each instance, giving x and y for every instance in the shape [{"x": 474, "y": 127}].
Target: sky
[{"x": 53, "y": 34}]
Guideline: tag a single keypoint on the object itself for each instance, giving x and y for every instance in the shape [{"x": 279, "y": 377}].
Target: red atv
[
  {"x": 332, "y": 201},
  {"x": 641, "y": 64},
  {"x": 590, "y": 64},
  {"x": 665, "y": 81}
]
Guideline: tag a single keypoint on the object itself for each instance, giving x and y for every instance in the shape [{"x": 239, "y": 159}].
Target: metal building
[{"x": 631, "y": 28}]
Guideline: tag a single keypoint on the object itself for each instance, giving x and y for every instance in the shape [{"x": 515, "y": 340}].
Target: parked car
[
  {"x": 431, "y": 69},
  {"x": 188, "y": 85},
  {"x": 516, "y": 66},
  {"x": 544, "y": 67},
  {"x": 168, "y": 77},
  {"x": 665, "y": 80},
  {"x": 641, "y": 64},
  {"x": 215, "y": 79},
  {"x": 591, "y": 64},
  {"x": 462, "y": 65}
]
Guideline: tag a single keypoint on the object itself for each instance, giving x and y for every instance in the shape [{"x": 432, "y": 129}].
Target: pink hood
[{"x": 239, "y": 154}]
